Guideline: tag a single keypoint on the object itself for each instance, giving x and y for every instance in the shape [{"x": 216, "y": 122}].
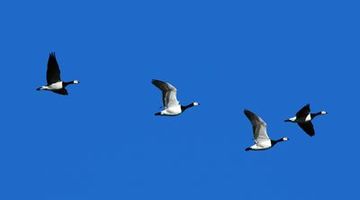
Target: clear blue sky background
[{"x": 103, "y": 141}]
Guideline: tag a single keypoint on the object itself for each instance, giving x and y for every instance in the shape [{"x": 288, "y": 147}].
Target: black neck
[
  {"x": 313, "y": 115},
  {"x": 67, "y": 83},
  {"x": 183, "y": 108},
  {"x": 273, "y": 142}
]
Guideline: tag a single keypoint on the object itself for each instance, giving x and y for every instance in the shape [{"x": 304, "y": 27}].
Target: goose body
[
  {"x": 261, "y": 137},
  {"x": 171, "y": 105},
  {"x": 304, "y": 117},
  {"x": 54, "y": 82}
]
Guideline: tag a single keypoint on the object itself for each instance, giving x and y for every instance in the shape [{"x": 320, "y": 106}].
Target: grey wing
[
  {"x": 168, "y": 93},
  {"x": 170, "y": 99},
  {"x": 53, "y": 71},
  {"x": 259, "y": 126},
  {"x": 260, "y": 134}
]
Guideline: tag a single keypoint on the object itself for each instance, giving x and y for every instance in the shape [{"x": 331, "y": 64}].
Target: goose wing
[
  {"x": 168, "y": 93},
  {"x": 303, "y": 112},
  {"x": 259, "y": 127},
  {"x": 308, "y": 128},
  {"x": 62, "y": 91},
  {"x": 53, "y": 71}
]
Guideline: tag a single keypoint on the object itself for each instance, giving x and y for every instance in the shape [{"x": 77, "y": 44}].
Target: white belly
[
  {"x": 56, "y": 86},
  {"x": 261, "y": 145},
  {"x": 174, "y": 110}
]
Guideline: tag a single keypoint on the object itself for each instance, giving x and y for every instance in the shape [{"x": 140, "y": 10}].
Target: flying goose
[
  {"x": 303, "y": 118},
  {"x": 171, "y": 105},
  {"x": 54, "y": 82},
  {"x": 262, "y": 140}
]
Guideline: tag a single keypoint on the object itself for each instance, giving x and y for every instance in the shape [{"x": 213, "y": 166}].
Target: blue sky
[{"x": 103, "y": 141}]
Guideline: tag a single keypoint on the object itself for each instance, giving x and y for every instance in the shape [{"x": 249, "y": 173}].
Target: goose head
[{"x": 195, "y": 103}]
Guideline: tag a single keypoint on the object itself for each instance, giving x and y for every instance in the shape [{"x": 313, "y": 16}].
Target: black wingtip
[
  {"x": 154, "y": 81},
  {"x": 248, "y": 149},
  {"x": 157, "y": 114},
  {"x": 248, "y": 113}
]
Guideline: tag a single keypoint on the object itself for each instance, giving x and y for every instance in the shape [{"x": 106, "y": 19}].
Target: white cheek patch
[
  {"x": 196, "y": 103},
  {"x": 76, "y": 81},
  {"x": 323, "y": 112}
]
